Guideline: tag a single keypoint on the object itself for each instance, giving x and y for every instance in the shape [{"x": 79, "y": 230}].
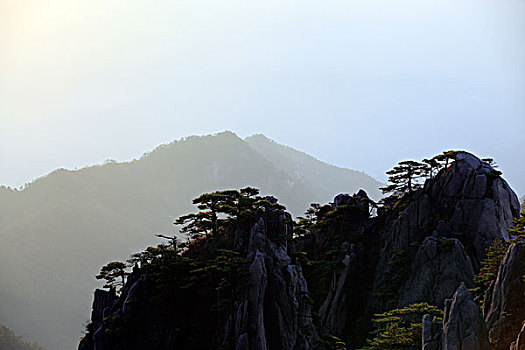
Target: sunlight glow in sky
[{"x": 358, "y": 83}]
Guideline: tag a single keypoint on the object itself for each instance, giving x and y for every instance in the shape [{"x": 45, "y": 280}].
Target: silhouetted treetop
[
  {"x": 221, "y": 207},
  {"x": 403, "y": 178}
]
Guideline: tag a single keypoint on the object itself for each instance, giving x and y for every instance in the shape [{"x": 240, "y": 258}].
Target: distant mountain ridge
[
  {"x": 303, "y": 167},
  {"x": 10, "y": 341},
  {"x": 58, "y": 231}
]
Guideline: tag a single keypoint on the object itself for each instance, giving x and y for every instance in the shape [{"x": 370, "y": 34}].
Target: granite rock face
[
  {"x": 432, "y": 333},
  {"x": 469, "y": 202},
  {"x": 277, "y": 295},
  {"x": 352, "y": 235},
  {"x": 462, "y": 327},
  {"x": 486, "y": 204},
  {"x": 504, "y": 309},
  {"x": 358, "y": 200},
  {"x": 438, "y": 267},
  {"x": 334, "y": 310},
  {"x": 505, "y": 300},
  {"x": 519, "y": 343},
  {"x": 102, "y": 304}
]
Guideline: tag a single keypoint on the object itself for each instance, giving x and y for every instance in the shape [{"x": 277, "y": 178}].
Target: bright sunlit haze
[
  {"x": 302, "y": 100},
  {"x": 359, "y": 84}
]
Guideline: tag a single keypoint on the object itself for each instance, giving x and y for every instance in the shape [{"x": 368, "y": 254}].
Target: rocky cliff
[
  {"x": 505, "y": 299},
  {"x": 273, "y": 311},
  {"x": 463, "y": 209},
  {"x": 259, "y": 285},
  {"x": 464, "y": 327}
]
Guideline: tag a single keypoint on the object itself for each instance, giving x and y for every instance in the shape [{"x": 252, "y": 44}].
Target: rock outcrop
[
  {"x": 102, "y": 302},
  {"x": 277, "y": 294},
  {"x": 519, "y": 343},
  {"x": 469, "y": 202},
  {"x": 334, "y": 309},
  {"x": 432, "y": 333},
  {"x": 347, "y": 231},
  {"x": 439, "y": 266},
  {"x": 505, "y": 300},
  {"x": 462, "y": 327}
]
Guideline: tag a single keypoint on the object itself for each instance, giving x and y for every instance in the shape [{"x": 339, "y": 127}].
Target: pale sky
[{"x": 358, "y": 83}]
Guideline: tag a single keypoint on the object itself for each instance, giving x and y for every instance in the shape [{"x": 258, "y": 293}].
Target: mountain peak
[
  {"x": 258, "y": 137},
  {"x": 225, "y": 133}
]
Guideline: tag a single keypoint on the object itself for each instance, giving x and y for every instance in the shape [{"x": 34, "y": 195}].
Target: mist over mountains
[{"x": 58, "y": 231}]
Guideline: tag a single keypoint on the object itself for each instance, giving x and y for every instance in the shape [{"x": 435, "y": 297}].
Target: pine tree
[
  {"x": 220, "y": 207},
  {"x": 490, "y": 161},
  {"x": 445, "y": 158},
  {"x": 495, "y": 254},
  {"x": 517, "y": 231},
  {"x": 432, "y": 167},
  {"x": 490, "y": 265},
  {"x": 400, "y": 328},
  {"x": 111, "y": 273},
  {"x": 404, "y": 178},
  {"x": 306, "y": 223}
]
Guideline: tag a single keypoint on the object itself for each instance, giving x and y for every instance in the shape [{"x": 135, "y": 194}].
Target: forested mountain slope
[
  {"x": 301, "y": 167},
  {"x": 10, "y": 341}
]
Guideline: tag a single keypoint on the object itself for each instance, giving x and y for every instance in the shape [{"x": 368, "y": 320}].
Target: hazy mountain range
[
  {"x": 10, "y": 341},
  {"x": 58, "y": 231}
]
